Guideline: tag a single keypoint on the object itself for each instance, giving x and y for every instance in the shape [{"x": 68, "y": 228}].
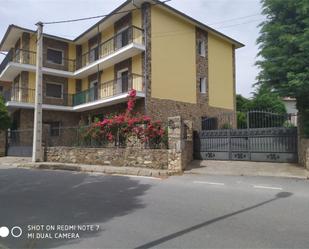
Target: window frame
[
  {"x": 201, "y": 47},
  {"x": 58, "y": 50},
  {"x": 52, "y": 130},
  {"x": 53, "y": 83},
  {"x": 203, "y": 82}
]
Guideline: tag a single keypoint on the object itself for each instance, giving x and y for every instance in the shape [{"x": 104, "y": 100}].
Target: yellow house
[{"x": 178, "y": 66}]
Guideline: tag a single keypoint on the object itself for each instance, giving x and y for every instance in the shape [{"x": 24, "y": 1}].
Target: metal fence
[
  {"x": 84, "y": 136},
  {"x": 249, "y": 119},
  {"x": 19, "y": 142}
]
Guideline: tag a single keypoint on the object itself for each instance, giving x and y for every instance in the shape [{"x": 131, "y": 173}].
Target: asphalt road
[{"x": 130, "y": 212}]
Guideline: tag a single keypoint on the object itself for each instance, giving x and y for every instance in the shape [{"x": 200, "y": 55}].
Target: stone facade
[
  {"x": 57, "y": 45},
  {"x": 161, "y": 109},
  {"x": 4, "y": 86},
  {"x": 25, "y": 46},
  {"x": 26, "y": 118},
  {"x": 23, "y": 122},
  {"x": 66, "y": 99},
  {"x": 201, "y": 66},
  {"x": 88, "y": 116}
]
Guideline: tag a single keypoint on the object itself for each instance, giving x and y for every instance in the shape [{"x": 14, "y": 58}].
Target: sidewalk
[
  {"x": 25, "y": 162},
  {"x": 241, "y": 168},
  {"x": 229, "y": 168}
]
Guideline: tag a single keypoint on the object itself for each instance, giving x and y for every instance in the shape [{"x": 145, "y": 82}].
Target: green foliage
[
  {"x": 241, "y": 120},
  {"x": 5, "y": 120},
  {"x": 287, "y": 124},
  {"x": 284, "y": 49},
  {"x": 264, "y": 99},
  {"x": 226, "y": 126},
  {"x": 242, "y": 102}
]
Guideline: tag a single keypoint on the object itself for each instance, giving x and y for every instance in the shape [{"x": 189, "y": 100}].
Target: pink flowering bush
[{"x": 127, "y": 127}]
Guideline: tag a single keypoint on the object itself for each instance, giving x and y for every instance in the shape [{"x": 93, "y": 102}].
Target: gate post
[
  {"x": 229, "y": 144},
  {"x": 175, "y": 145}
]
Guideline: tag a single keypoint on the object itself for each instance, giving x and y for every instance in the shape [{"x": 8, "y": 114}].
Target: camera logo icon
[{"x": 16, "y": 232}]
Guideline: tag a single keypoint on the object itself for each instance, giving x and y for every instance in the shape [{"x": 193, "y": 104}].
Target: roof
[
  {"x": 110, "y": 18},
  {"x": 13, "y": 33}
]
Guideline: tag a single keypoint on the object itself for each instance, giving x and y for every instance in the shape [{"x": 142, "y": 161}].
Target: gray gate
[
  {"x": 19, "y": 143},
  {"x": 261, "y": 144}
]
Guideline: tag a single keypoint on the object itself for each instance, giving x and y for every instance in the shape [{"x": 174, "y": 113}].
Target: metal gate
[
  {"x": 19, "y": 143},
  {"x": 261, "y": 144}
]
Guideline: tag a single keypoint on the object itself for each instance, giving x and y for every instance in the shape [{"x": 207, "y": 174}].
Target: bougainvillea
[{"x": 128, "y": 127}]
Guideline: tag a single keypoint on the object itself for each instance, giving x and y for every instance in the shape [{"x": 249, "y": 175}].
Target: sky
[{"x": 236, "y": 18}]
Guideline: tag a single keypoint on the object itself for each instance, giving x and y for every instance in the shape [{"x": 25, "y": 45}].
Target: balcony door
[
  {"x": 122, "y": 81},
  {"x": 93, "y": 53},
  {"x": 93, "y": 91},
  {"x": 17, "y": 91},
  {"x": 122, "y": 37}
]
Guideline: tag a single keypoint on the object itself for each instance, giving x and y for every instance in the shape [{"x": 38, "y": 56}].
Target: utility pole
[{"x": 37, "y": 154}]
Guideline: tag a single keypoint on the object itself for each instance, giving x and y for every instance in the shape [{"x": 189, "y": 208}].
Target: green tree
[
  {"x": 242, "y": 103},
  {"x": 266, "y": 100},
  {"x": 284, "y": 50},
  {"x": 5, "y": 121},
  {"x": 263, "y": 100}
]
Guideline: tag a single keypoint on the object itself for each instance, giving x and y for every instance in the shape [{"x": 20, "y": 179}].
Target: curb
[{"x": 109, "y": 170}]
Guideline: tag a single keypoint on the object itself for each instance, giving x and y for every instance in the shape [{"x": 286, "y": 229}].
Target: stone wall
[
  {"x": 129, "y": 157},
  {"x": 303, "y": 152},
  {"x": 2, "y": 143},
  {"x": 174, "y": 159}
]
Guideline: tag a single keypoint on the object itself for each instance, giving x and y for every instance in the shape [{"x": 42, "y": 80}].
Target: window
[
  {"x": 122, "y": 37},
  {"x": 55, "y": 56},
  {"x": 201, "y": 48},
  {"x": 54, "y": 90},
  {"x": 203, "y": 85},
  {"x": 54, "y": 128}
]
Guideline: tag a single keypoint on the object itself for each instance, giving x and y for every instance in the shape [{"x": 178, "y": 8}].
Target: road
[{"x": 188, "y": 211}]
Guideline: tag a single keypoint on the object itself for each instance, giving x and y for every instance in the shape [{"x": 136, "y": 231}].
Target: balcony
[
  {"x": 104, "y": 94},
  {"x": 122, "y": 46}
]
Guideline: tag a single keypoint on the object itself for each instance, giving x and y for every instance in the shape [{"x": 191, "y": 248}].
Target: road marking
[
  {"x": 266, "y": 187},
  {"x": 210, "y": 183}
]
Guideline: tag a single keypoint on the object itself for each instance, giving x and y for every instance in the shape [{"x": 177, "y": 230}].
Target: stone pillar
[
  {"x": 187, "y": 153},
  {"x": 175, "y": 145}
]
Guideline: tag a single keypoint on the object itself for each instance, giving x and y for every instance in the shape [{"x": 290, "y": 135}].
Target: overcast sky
[{"x": 215, "y": 13}]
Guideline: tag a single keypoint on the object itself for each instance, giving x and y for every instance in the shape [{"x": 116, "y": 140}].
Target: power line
[
  {"x": 100, "y": 16},
  {"x": 223, "y": 27},
  {"x": 234, "y": 19}
]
